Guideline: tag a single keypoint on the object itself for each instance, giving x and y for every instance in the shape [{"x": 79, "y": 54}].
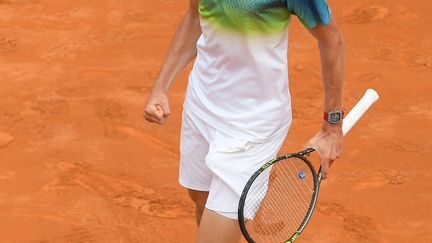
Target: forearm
[
  {"x": 332, "y": 61},
  {"x": 328, "y": 141},
  {"x": 181, "y": 52}
]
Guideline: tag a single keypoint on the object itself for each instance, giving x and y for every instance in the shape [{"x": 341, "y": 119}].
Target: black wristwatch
[{"x": 333, "y": 117}]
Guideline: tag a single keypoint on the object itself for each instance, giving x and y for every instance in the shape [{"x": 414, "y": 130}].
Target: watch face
[{"x": 335, "y": 117}]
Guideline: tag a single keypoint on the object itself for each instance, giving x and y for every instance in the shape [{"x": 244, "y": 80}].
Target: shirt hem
[{"x": 198, "y": 114}]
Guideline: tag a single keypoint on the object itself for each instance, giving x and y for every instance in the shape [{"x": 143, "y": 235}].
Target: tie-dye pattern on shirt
[{"x": 254, "y": 16}]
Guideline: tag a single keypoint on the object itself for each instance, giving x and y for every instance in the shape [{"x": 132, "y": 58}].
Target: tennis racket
[{"x": 278, "y": 200}]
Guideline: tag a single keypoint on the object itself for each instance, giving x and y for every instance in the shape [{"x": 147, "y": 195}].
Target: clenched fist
[{"x": 157, "y": 107}]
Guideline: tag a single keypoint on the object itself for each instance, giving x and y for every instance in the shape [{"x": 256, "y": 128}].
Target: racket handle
[{"x": 369, "y": 98}]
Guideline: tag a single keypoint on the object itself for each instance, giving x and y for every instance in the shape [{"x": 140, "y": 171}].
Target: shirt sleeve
[{"x": 310, "y": 12}]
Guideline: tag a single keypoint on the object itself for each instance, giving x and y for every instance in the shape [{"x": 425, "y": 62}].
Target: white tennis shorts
[{"x": 213, "y": 161}]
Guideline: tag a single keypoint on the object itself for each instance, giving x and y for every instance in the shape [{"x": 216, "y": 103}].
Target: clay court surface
[{"x": 78, "y": 163}]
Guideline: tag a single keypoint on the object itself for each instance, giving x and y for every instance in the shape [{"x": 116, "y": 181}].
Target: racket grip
[{"x": 369, "y": 98}]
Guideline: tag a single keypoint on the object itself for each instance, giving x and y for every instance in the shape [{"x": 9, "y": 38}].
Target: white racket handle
[{"x": 369, "y": 98}]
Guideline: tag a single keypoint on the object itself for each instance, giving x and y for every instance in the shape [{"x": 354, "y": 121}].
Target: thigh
[
  {"x": 194, "y": 147},
  {"x": 199, "y": 197},
  {"x": 232, "y": 162},
  {"x": 215, "y": 228}
]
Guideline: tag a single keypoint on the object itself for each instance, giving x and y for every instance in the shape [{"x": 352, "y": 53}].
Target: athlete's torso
[{"x": 239, "y": 83}]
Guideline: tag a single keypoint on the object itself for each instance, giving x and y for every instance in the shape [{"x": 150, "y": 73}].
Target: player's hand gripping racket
[{"x": 278, "y": 200}]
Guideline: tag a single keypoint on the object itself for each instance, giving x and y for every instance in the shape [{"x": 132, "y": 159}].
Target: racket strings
[
  {"x": 257, "y": 192},
  {"x": 278, "y": 201}
]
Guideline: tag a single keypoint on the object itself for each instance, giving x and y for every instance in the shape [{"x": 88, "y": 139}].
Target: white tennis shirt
[{"x": 239, "y": 82}]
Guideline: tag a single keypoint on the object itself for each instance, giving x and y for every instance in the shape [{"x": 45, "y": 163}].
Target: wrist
[
  {"x": 333, "y": 120},
  {"x": 158, "y": 88},
  {"x": 332, "y": 129},
  {"x": 326, "y": 126}
]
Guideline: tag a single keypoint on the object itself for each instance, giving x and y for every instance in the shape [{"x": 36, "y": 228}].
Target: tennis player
[{"x": 237, "y": 109}]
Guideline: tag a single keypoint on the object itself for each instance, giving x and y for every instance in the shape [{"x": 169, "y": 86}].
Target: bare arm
[
  {"x": 332, "y": 50},
  {"x": 328, "y": 141},
  {"x": 181, "y": 52}
]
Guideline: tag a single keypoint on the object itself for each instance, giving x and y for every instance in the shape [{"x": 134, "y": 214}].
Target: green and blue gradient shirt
[{"x": 239, "y": 82}]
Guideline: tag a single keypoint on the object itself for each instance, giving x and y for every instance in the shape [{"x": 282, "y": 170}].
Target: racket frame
[{"x": 316, "y": 179}]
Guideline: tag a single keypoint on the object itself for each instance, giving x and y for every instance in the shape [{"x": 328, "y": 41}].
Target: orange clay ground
[{"x": 79, "y": 164}]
